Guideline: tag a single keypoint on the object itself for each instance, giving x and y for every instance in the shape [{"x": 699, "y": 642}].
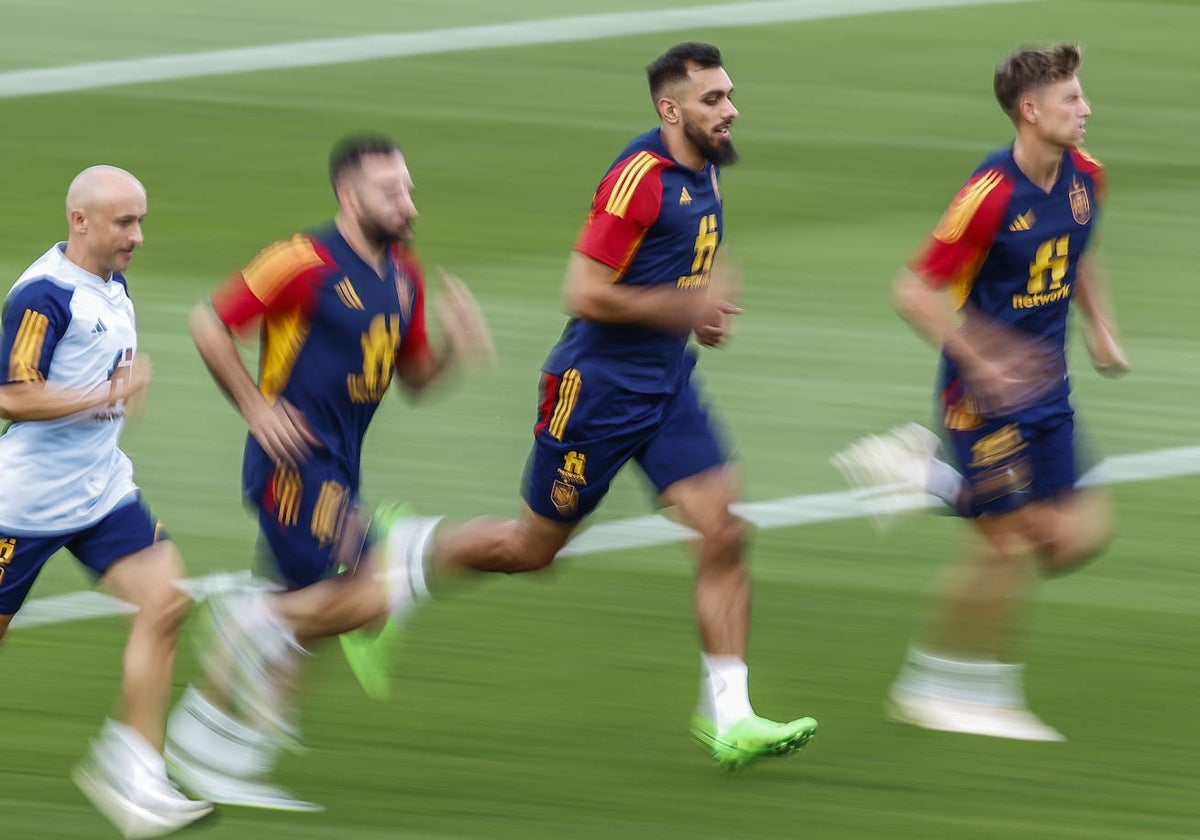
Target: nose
[
  {"x": 137, "y": 237},
  {"x": 1087, "y": 107}
]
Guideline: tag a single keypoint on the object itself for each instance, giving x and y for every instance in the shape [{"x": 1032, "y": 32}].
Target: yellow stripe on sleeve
[
  {"x": 279, "y": 264},
  {"x": 631, "y": 176},
  {"x": 27, "y": 348},
  {"x": 954, "y": 223}
]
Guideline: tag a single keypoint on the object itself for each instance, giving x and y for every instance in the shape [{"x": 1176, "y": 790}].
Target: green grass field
[{"x": 557, "y": 707}]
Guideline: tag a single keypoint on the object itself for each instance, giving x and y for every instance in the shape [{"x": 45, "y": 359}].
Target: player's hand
[
  {"x": 282, "y": 431},
  {"x": 468, "y": 339},
  {"x": 1107, "y": 356},
  {"x": 715, "y": 323},
  {"x": 1005, "y": 369}
]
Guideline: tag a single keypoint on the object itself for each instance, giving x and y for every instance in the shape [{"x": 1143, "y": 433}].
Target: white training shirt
[{"x": 72, "y": 329}]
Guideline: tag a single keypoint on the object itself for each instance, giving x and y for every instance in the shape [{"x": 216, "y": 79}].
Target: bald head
[
  {"x": 101, "y": 184},
  {"x": 105, "y": 209}
]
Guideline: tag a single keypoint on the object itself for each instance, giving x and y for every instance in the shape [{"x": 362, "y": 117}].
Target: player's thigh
[
  {"x": 585, "y": 433},
  {"x": 687, "y": 462},
  {"x": 133, "y": 557},
  {"x": 309, "y": 524}
]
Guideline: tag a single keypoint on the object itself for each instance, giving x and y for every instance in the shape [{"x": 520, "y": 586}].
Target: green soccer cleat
[
  {"x": 370, "y": 655},
  {"x": 752, "y": 738}
]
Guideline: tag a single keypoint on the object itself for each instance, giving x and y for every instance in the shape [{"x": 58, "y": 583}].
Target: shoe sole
[
  {"x": 131, "y": 820},
  {"x": 737, "y": 757}
]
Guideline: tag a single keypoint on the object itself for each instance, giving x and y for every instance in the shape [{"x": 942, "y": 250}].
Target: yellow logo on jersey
[
  {"x": 8, "y": 547},
  {"x": 1023, "y": 222},
  {"x": 685, "y": 197},
  {"x": 573, "y": 466},
  {"x": 345, "y": 290}
]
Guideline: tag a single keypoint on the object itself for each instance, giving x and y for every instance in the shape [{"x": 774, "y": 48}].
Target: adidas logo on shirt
[
  {"x": 685, "y": 197},
  {"x": 1023, "y": 222},
  {"x": 99, "y": 328}
]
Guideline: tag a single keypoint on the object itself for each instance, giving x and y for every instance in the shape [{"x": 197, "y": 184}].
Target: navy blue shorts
[
  {"x": 586, "y": 433},
  {"x": 128, "y": 529},
  {"x": 1010, "y": 463},
  {"x": 310, "y": 525}
]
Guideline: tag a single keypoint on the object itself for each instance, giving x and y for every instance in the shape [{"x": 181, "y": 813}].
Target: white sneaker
[
  {"x": 946, "y": 715},
  {"x": 139, "y": 804},
  {"x": 220, "y": 757},
  {"x": 225, "y": 789},
  {"x": 889, "y": 471}
]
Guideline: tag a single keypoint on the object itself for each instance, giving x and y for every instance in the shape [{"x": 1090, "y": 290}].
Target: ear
[
  {"x": 668, "y": 110},
  {"x": 1028, "y": 108},
  {"x": 77, "y": 220}
]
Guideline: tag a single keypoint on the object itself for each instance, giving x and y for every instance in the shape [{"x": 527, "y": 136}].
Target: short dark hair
[
  {"x": 1030, "y": 68},
  {"x": 674, "y": 64},
  {"x": 348, "y": 153}
]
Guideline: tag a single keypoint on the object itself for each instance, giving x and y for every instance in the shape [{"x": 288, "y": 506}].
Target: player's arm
[
  {"x": 34, "y": 320},
  {"x": 467, "y": 338},
  {"x": 1100, "y": 324},
  {"x": 279, "y": 427},
  {"x": 626, "y": 204},
  {"x": 930, "y": 294},
  {"x": 281, "y": 278},
  {"x": 591, "y": 292}
]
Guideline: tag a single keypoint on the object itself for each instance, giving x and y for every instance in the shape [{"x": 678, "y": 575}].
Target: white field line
[
  {"x": 646, "y": 531},
  {"x": 102, "y": 74}
]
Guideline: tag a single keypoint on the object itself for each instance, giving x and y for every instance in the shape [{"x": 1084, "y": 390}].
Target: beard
[
  {"x": 715, "y": 150},
  {"x": 382, "y": 235}
]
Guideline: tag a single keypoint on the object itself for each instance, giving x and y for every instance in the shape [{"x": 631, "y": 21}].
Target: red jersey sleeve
[
  {"x": 962, "y": 238},
  {"x": 626, "y": 204},
  {"x": 412, "y": 302},
  {"x": 283, "y": 275}
]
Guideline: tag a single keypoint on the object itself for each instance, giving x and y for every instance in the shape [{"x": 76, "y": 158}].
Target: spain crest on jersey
[{"x": 1081, "y": 203}]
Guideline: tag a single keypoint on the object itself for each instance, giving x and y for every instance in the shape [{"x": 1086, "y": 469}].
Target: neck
[
  {"x": 373, "y": 254},
  {"x": 1040, "y": 162},
  {"x": 76, "y": 254},
  {"x": 681, "y": 149}
]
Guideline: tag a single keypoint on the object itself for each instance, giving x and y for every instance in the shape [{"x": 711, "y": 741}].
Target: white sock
[
  {"x": 200, "y": 732},
  {"x": 407, "y": 547},
  {"x": 987, "y": 682},
  {"x": 724, "y": 690},
  {"x": 126, "y": 742},
  {"x": 945, "y": 482}
]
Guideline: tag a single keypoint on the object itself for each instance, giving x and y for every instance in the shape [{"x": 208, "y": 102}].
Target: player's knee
[
  {"x": 1077, "y": 549},
  {"x": 1082, "y": 534},
  {"x": 166, "y": 610},
  {"x": 520, "y": 548},
  {"x": 727, "y": 538}
]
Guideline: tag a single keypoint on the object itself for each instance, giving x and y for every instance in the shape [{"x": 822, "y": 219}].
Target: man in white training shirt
[{"x": 68, "y": 368}]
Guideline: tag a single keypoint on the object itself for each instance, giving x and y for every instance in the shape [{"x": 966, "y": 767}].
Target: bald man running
[{"x": 69, "y": 370}]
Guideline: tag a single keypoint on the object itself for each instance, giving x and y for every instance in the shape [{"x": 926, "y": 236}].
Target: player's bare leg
[
  {"x": 148, "y": 580},
  {"x": 966, "y": 679},
  {"x": 125, "y": 775},
  {"x": 725, "y": 723}
]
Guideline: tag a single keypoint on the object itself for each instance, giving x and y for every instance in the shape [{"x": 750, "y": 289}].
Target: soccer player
[
  {"x": 643, "y": 278},
  {"x": 341, "y": 312},
  {"x": 991, "y": 288},
  {"x": 71, "y": 373}
]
